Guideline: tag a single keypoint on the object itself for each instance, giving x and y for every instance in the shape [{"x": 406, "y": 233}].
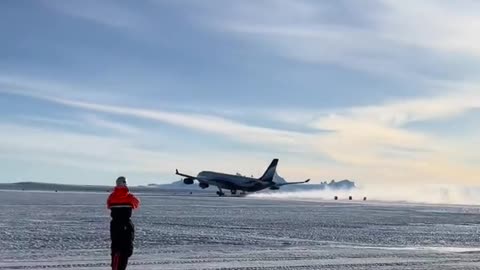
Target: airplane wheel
[
  {"x": 220, "y": 193},
  {"x": 233, "y": 192}
]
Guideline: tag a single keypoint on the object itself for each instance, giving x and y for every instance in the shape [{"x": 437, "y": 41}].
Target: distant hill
[
  {"x": 177, "y": 185},
  {"x": 51, "y": 187},
  {"x": 174, "y": 185},
  {"x": 37, "y": 186}
]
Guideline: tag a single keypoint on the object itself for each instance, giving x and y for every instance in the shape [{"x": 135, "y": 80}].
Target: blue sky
[{"x": 378, "y": 91}]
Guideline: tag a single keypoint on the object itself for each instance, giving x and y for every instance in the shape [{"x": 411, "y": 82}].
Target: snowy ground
[{"x": 70, "y": 231}]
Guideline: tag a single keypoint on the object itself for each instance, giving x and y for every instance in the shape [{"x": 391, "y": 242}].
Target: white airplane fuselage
[{"x": 232, "y": 182}]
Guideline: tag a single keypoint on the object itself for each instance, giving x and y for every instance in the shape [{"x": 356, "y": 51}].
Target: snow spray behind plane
[{"x": 413, "y": 193}]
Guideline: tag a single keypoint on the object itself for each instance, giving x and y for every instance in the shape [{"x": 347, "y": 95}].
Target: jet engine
[
  {"x": 203, "y": 185},
  {"x": 188, "y": 181}
]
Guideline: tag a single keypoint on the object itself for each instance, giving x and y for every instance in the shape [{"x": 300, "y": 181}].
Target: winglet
[
  {"x": 176, "y": 171},
  {"x": 308, "y": 180}
]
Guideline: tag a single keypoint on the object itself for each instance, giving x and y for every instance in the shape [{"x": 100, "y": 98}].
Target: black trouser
[
  {"x": 119, "y": 261},
  {"x": 122, "y": 234}
]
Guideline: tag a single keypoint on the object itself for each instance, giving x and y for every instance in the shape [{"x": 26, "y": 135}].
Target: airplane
[{"x": 237, "y": 182}]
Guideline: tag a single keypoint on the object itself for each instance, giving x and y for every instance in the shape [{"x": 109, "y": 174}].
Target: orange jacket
[{"x": 122, "y": 197}]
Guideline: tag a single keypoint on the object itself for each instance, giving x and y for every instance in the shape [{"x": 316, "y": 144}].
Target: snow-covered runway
[{"x": 70, "y": 231}]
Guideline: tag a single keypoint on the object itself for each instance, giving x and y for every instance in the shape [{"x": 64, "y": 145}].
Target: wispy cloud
[
  {"x": 440, "y": 25},
  {"x": 199, "y": 122},
  {"x": 108, "y": 13},
  {"x": 34, "y": 87},
  {"x": 365, "y": 138},
  {"x": 417, "y": 41},
  {"x": 374, "y": 140},
  {"x": 115, "y": 126},
  {"x": 393, "y": 31},
  {"x": 113, "y": 154},
  {"x": 399, "y": 113},
  {"x": 86, "y": 122},
  {"x": 431, "y": 46}
]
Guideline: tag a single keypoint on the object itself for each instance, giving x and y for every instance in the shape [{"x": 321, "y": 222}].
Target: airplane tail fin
[{"x": 270, "y": 172}]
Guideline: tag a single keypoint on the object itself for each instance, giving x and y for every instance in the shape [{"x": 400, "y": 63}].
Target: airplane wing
[
  {"x": 293, "y": 183},
  {"x": 185, "y": 175}
]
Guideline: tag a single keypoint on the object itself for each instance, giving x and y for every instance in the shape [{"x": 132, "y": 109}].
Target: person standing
[{"x": 122, "y": 231}]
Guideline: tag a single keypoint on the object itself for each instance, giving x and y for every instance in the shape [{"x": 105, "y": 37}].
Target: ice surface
[{"x": 70, "y": 231}]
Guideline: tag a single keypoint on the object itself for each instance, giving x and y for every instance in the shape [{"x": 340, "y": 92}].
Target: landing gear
[
  {"x": 220, "y": 192},
  {"x": 233, "y": 191}
]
